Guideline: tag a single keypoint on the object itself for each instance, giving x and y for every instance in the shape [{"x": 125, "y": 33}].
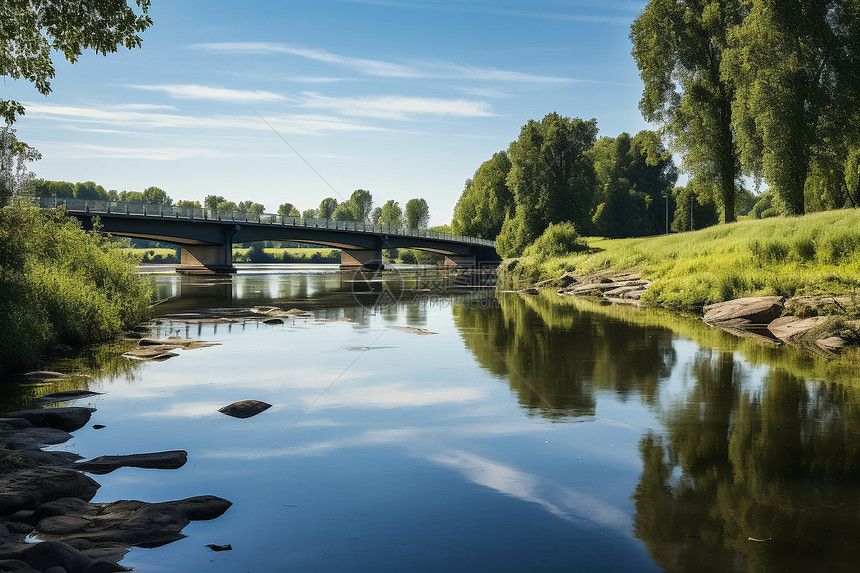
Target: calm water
[{"x": 522, "y": 436}]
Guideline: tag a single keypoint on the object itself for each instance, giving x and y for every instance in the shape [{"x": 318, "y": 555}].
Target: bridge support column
[
  {"x": 206, "y": 260},
  {"x": 463, "y": 261},
  {"x": 361, "y": 259}
]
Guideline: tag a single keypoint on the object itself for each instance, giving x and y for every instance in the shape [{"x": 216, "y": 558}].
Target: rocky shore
[
  {"x": 821, "y": 324},
  {"x": 47, "y": 521}
]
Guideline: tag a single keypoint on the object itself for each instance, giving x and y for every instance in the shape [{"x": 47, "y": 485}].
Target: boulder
[
  {"x": 169, "y": 460},
  {"x": 273, "y": 321},
  {"x": 151, "y": 353},
  {"x": 245, "y": 408},
  {"x": 67, "y": 419},
  {"x": 754, "y": 309},
  {"x": 790, "y": 328},
  {"x": 831, "y": 343},
  {"x": 35, "y": 438},
  {"x": 184, "y": 343},
  {"x": 32, "y": 487}
]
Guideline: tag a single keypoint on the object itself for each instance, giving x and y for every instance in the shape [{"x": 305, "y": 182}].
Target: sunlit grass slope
[{"x": 814, "y": 254}]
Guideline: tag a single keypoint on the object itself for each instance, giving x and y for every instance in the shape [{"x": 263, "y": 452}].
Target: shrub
[
  {"x": 59, "y": 283},
  {"x": 558, "y": 240}
]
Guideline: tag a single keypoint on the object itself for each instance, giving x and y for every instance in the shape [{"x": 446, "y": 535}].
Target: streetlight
[{"x": 666, "y": 197}]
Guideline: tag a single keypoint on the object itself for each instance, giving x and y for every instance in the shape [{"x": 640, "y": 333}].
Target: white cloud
[
  {"x": 107, "y": 116},
  {"x": 193, "y": 91},
  {"x": 381, "y": 68},
  {"x": 395, "y": 107}
]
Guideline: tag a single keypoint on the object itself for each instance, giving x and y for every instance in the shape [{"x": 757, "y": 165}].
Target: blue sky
[{"x": 295, "y": 100}]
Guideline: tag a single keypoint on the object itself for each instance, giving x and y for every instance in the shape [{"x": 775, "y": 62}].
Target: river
[{"x": 423, "y": 422}]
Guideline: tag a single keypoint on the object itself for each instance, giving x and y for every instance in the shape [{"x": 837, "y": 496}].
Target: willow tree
[
  {"x": 795, "y": 65},
  {"x": 679, "y": 47}
]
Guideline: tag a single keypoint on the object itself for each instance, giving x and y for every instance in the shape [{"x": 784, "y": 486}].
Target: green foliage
[
  {"x": 288, "y": 210},
  {"x": 249, "y": 207},
  {"x": 212, "y": 201},
  {"x": 61, "y": 284},
  {"x": 486, "y": 200},
  {"x": 187, "y": 203},
  {"x": 417, "y": 214},
  {"x": 309, "y": 214},
  {"x": 391, "y": 214},
  {"x": 552, "y": 179},
  {"x": 558, "y": 240},
  {"x": 344, "y": 212},
  {"x": 633, "y": 177},
  {"x": 15, "y": 178},
  {"x": 32, "y": 29},
  {"x": 156, "y": 196},
  {"x": 679, "y": 47},
  {"x": 327, "y": 207},
  {"x": 694, "y": 200}
]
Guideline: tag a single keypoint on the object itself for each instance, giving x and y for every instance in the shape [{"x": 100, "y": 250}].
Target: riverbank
[
  {"x": 817, "y": 254},
  {"x": 802, "y": 273}
]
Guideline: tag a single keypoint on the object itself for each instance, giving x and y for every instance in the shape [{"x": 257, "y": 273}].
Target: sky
[{"x": 298, "y": 100}]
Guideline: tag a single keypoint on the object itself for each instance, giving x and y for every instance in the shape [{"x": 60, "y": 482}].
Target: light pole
[{"x": 666, "y": 197}]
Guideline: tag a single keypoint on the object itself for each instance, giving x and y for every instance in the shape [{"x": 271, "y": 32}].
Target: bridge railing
[{"x": 97, "y": 207}]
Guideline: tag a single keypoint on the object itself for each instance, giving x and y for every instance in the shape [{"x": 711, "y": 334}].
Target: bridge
[{"x": 206, "y": 236}]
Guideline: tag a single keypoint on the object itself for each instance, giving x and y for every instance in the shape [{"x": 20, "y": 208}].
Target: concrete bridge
[{"x": 206, "y": 236}]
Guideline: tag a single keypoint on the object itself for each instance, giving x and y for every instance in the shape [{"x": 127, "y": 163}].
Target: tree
[
  {"x": 45, "y": 188},
  {"x": 212, "y": 201},
  {"x": 486, "y": 200},
  {"x": 251, "y": 207},
  {"x": 14, "y": 156},
  {"x": 327, "y": 207},
  {"x": 309, "y": 214},
  {"x": 156, "y": 196},
  {"x": 288, "y": 210},
  {"x": 552, "y": 178},
  {"x": 679, "y": 47},
  {"x": 376, "y": 215},
  {"x": 417, "y": 214},
  {"x": 362, "y": 204},
  {"x": 391, "y": 214},
  {"x": 345, "y": 212},
  {"x": 30, "y": 30},
  {"x": 795, "y": 67},
  {"x": 696, "y": 200},
  {"x": 187, "y": 203},
  {"x": 90, "y": 190}
]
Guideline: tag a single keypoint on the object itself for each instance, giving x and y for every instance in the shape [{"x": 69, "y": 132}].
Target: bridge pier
[
  {"x": 361, "y": 259},
  {"x": 206, "y": 260},
  {"x": 462, "y": 261}
]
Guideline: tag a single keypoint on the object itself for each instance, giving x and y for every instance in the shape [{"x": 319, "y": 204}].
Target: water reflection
[{"x": 557, "y": 357}]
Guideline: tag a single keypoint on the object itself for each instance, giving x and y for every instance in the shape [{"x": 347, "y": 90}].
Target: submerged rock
[
  {"x": 65, "y": 396},
  {"x": 44, "y": 376},
  {"x": 413, "y": 330},
  {"x": 169, "y": 460},
  {"x": 245, "y": 408}
]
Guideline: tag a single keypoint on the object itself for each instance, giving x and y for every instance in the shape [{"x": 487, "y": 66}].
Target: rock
[
  {"x": 44, "y": 376},
  {"x": 756, "y": 310},
  {"x": 273, "y": 321},
  {"x": 531, "y": 291},
  {"x": 831, "y": 344},
  {"x": 49, "y": 458},
  {"x": 29, "y": 488},
  {"x": 65, "y": 396},
  {"x": 16, "y": 566},
  {"x": 47, "y": 554},
  {"x": 214, "y": 547},
  {"x": 790, "y": 328},
  {"x": 151, "y": 353},
  {"x": 19, "y": 528},
  {"x": 183, "y": 343},
  {"x": 245, "y": 408},
  {"x": 15, "y": 423},
  {"x": 35, "y": 438},
  {"x": 68, "y": 419},
  {"x": 169, "y": 460},
  {"x": 98, "y": 426},
  {"x": 129, "y": 522}
]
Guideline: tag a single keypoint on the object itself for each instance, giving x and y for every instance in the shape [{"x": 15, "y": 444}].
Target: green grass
[{"x": 814, "y": 254}]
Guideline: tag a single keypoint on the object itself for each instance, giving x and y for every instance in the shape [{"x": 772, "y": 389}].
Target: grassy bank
[
  {"x": 61, "y": 285},
  {"x": 814, "y": 254}
]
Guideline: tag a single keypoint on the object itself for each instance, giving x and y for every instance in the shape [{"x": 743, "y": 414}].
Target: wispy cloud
[
  {"x": 395, "y": 107},
  {"x": 381, "y": 68},
  {"x": 108, "y": 116},
  {"x": 193, "y": 91}
]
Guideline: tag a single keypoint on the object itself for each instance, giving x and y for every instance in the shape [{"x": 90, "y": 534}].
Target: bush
[
  {"x": 558, "y": 240},
  {"x": 60, "y": 284}
]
